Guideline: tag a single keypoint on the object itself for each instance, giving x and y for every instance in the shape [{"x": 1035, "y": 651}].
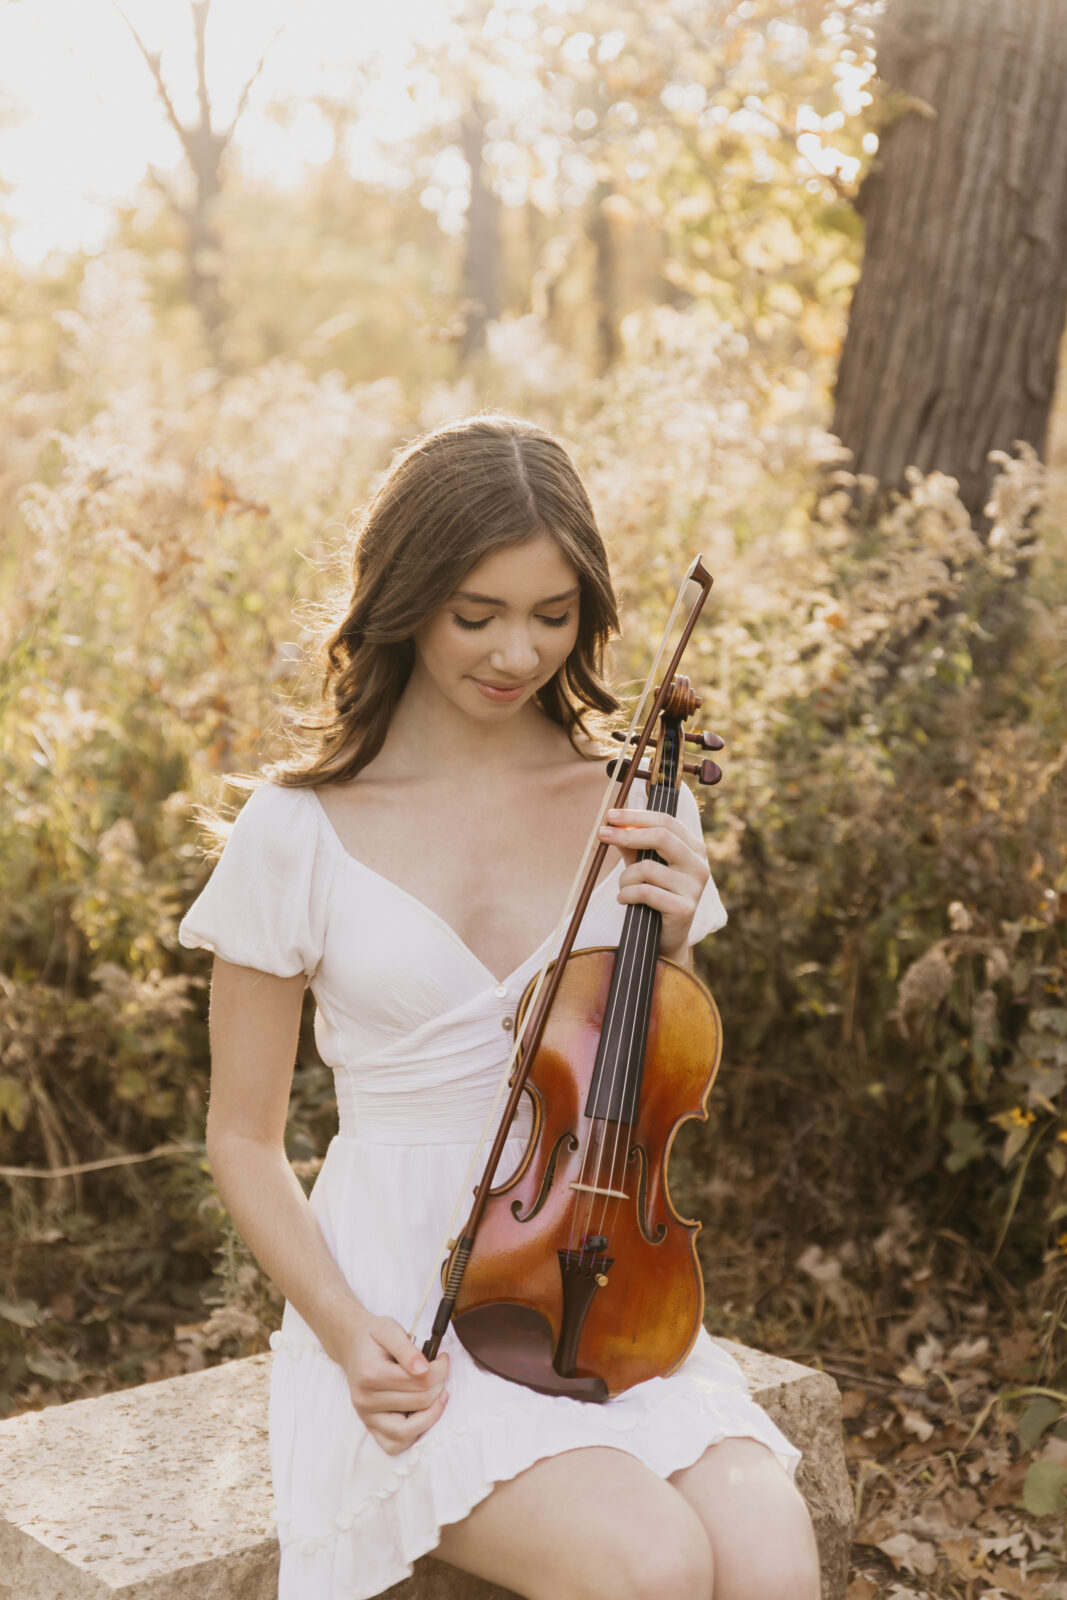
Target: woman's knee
[
  {"x": 784, "y": 1565},
  {"x": 757, "y": 1523},
  {"x": 783, "y": 1575},
  {"x": 671, "y": 1563}
]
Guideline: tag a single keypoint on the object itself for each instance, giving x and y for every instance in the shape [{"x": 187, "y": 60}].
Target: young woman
[{"x": 411, "y": 868}]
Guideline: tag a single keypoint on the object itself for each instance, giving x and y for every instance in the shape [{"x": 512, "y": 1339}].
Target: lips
[{"x": 500, "y": 692}]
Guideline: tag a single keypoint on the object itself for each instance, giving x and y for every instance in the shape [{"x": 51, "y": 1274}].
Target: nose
[{"x": 515, "y": 654}]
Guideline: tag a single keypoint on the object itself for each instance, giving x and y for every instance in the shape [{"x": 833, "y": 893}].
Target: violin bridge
[{"x": 591, "y": 1188}]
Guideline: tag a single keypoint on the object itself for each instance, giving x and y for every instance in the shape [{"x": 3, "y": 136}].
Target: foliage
[{"x": 888, "y": 839}]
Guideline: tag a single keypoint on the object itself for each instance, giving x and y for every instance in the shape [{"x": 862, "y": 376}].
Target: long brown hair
[{"x": 452, "y": 497}]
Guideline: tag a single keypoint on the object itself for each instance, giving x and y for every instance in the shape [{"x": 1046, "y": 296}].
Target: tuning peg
[
  {"x": 618, "y": 768},
  {"x": 705, "y": 772},
  {"x": 706, "y": 741},
  {"x": 618, "y": 735}
]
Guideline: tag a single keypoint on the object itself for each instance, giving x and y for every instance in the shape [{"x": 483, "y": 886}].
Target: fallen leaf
[
  {"x": 969, "y": 1349},
  {"x": 961, "y": 1506},
  {"x": 1007, "y": 1485},
  {"x": 928, "y": 1354},
  {"x": 861, "y": 1588},
  {"x": 1044, "y": 1489},
  {"x": 1012, "y": 1351},
  {"x": 916, "y": 1423},
  {"x": 853, "y": 1403},
  {"x": 961, "y": 1555},
  {"x": 1014, "y": 1544},
  {"x": 879, "y": 1528},
  {"x": 914, "y": 1555},
  {"x": 1039, "y": 1415}
]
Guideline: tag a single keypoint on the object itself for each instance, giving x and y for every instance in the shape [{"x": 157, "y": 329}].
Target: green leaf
[
  {"x": 968, "y": 1143},
  {"x": 1054, "y": 1019},
  {"x": 14, "y": 1103},
  {"x": 1015, "y": 1142},
  {"x": 1045, "y": 1489},
  {"x": 24, "y": 1313},
  {"x": 1039, "y": 1415},
  {"x": 60, "y": 1369}
]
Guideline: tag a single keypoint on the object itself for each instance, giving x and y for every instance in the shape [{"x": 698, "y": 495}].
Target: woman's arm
[{"x": 255, "y": 1025}]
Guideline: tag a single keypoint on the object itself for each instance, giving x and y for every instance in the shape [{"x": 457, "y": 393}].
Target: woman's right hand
[{"x": 396, "y": 1392}]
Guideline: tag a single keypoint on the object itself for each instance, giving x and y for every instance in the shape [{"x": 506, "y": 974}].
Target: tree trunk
[
  {"x": 204, "y": 149},
  {"x": 956, "y": 321},
  {"x": 606, "y": 294},
  {"x": 482, "y": 266}
]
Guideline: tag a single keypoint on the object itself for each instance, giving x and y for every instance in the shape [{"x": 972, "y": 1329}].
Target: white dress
[{"x": 416, "y": 1029}]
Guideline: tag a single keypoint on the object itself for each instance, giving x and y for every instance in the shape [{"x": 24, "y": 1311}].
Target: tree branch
[
  {"x": 155, "y": 64},
  {"x": 200, "y": 10},
  {"x": 247, "y": 90},
  {"x": 160, "y": 182}
]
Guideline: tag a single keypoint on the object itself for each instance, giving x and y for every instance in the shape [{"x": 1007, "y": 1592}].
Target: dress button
[
  {"x": 501, "y": 990},
  {"x": 507, "y": 1024}
]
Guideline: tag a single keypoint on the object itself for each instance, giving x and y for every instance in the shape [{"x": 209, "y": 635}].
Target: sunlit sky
[{"x": 80, "y": 120}]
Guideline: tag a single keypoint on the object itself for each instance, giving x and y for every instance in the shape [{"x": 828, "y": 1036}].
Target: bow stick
[{"x": 528, "y": 1034}]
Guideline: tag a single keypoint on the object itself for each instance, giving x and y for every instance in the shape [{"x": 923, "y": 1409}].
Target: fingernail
[
  {"x": 420, "y": 1364},
  {"x": 613, "y": 814}
]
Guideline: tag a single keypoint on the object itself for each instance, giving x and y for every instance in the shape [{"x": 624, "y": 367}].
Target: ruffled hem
[{"x": 456, "y": 1464}]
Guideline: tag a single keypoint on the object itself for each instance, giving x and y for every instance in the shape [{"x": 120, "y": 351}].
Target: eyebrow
[{"x": 492, "y": 600}]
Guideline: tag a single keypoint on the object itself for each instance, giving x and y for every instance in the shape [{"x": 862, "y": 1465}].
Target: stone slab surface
[{"x": 162, "y": 1492}]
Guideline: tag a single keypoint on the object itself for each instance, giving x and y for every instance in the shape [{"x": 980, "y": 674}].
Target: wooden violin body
[
  {"x": 576, "y": 1275},
  {"x": 545, "y": 1299}
]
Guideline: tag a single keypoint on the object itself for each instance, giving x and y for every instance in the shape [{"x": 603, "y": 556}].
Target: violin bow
[{"x": 528, "y": 1033}]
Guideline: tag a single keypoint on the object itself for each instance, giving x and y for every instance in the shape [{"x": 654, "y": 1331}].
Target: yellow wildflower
[{"x": 1021, "y": 1118}]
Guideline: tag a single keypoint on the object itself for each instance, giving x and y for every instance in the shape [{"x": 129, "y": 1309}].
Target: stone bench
[{"x": 162, "y": 1492}]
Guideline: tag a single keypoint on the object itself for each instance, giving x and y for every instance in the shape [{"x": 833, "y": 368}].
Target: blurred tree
[
  {"x": 205, "y": 150},
  {"x": 482, "y": 256},
  {"x": 956, "y": 321}
]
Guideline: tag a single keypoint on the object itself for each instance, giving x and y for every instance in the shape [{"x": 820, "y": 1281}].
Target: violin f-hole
[
  {"x": 658, "y": 1235},
  {"x": 546, "y": 1181}
]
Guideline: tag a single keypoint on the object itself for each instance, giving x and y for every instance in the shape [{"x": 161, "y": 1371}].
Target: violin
[{"x": 577, "y": 1275}]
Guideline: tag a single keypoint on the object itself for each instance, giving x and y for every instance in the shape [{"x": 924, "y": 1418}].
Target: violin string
[
  {"x": 630, "y": 961},
  {"x": 642, "y": 931},
  {"x": 554, "y": 940},
  {"x": 585, "y": 1201},
  {"x": 648, "y": 934}
]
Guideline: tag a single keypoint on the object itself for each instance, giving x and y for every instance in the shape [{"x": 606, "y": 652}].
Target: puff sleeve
[
  {"x": 266, "y": 902},
  {"x": 710, "y": 913}
]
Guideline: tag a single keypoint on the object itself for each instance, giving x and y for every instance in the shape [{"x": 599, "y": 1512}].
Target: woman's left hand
[{"x": 672, "y": 887}]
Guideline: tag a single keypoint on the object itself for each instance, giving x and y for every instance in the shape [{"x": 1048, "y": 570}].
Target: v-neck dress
[{"x": 418, "y": 1032}]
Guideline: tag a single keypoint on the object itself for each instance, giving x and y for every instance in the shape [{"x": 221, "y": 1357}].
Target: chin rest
[{"x": 517, "y": 1342}]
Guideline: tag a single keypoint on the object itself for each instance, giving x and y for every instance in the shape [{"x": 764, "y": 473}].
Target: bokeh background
[{"x": 790, "y": 281}]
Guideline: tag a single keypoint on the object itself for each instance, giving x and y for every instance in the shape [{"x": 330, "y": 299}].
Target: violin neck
[{"x": 615, "y": 1090}]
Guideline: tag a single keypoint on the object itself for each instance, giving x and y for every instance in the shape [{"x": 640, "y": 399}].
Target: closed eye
[{"x": 549, "y": 622}]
